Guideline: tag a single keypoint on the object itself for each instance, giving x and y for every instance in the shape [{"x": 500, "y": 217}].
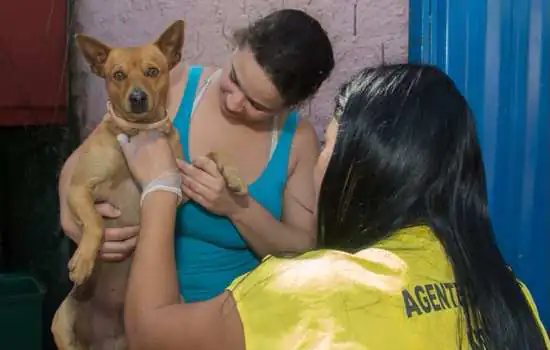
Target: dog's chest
[{"x": 124, "y": 195}]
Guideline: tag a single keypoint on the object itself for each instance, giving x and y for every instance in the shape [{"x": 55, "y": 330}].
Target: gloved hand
[{"x": 151, "y": 162}]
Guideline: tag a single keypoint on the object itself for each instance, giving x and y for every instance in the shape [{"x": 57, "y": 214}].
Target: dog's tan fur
[{"x": 91, "y": 317}]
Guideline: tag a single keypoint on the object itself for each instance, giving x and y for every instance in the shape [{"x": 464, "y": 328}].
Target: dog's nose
[{"x": 138, "y": 101}]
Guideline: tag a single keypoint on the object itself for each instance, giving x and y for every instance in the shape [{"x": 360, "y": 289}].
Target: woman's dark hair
[
  {"x": 294, "y": 51},
  {"x": 407, "y": 154}
]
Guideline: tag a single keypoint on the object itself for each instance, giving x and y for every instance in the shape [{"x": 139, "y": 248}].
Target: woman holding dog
[
  {"x": 245, "y": 109},
  {"x": 409, "y": 258}
]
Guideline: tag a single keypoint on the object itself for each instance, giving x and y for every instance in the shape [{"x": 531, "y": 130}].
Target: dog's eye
[
  {"x": 119, "y": 76},
  {"x": 152, "y": 72}
]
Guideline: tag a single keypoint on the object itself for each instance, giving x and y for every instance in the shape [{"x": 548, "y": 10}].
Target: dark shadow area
[{"x": 31, "y": 239}]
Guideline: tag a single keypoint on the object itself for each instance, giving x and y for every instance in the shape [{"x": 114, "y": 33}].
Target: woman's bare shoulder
[
  {"x": 178, "y": 81},
  {"x": 178, "y": 75},
  {"x": 305, "y": 131},
  {"x": 305, "y": 143}
]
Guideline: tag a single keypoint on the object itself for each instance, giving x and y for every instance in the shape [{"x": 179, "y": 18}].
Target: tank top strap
[
  {"x": 281, "y": 154},
  {"x": 183, "y": 116}
]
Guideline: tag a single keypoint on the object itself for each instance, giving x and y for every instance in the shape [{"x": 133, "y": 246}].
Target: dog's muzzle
[{"x": 138, "y": 101}]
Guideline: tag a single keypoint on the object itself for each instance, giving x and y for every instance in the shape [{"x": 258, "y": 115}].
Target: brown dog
[{"x": 137, "y": 81}]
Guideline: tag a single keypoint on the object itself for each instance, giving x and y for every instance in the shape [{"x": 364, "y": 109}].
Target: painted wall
[
  {"x": 364, "y": 32},
  {"x": 498, "y": 53}
]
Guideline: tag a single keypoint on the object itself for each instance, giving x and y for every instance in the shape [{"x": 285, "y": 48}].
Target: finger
[
  {"x": 197, "y": 187},
  {"x": 208, "y": 166},
  {"x": 112, "y": 257},
  {"x": 189, "y": 169},
  {"x": 181, "y": 164},
  {"x": 123, "y": 140},
  {"x": 121, "y": 234},
  {"x": 107, "y": 210},
  {"x": 215, "y": 183},
  {"x": 129, "y": 149},
  {"x": 120, "y": 247},
  {"x": 194, "y": 196}
]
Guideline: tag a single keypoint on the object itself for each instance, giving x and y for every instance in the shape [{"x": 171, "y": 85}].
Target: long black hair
[{"x": 407, "y": 154}]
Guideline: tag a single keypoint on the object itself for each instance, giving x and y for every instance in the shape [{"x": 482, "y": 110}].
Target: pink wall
[{"x": 358, "y": 28}]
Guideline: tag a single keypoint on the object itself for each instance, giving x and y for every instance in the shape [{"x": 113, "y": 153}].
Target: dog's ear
[
  {"x": 94, "y": 51},
  {"x": 171, "y": 42}
]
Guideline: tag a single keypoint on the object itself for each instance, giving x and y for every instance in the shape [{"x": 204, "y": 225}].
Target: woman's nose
[{"x": 235, "y": 101}]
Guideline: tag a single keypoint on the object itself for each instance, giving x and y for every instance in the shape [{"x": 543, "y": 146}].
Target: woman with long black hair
[{"x": 408, "y": 257}]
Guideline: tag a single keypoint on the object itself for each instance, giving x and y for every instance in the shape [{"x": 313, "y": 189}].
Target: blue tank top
[{"x": 210, "y": 252}]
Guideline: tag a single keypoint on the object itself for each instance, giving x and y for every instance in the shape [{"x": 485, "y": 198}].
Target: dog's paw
[
  {"x": 234, "y": 181},
  {"x": 81, "y": 266},
  {"x": 230, "y": 173}
]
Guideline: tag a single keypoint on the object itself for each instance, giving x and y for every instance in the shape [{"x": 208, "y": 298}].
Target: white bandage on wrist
[{"x": 170, "y": 182}]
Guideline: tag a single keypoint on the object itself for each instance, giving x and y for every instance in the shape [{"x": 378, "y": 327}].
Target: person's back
[
  {"x": 398, "y": 294},
  {"x": 400, "y": 156}
]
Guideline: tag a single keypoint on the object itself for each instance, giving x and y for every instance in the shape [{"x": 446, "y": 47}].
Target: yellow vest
[{"x": 399, "y": 294}]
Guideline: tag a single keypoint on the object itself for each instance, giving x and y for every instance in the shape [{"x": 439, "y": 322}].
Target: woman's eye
[
  {"x": 152, "y": 72},
  {"x": 119, "y": 76}
]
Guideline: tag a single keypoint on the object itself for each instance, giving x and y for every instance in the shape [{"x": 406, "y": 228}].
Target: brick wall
[{"x": 364, "y": 32}]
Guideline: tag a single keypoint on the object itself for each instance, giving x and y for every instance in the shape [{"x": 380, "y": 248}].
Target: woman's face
[
  {"x": 326, "y": 153},
  {"x": 246, "y": 91}
]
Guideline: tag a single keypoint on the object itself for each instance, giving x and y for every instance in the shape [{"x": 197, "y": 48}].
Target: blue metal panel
[{"x": 498, "y": 53}]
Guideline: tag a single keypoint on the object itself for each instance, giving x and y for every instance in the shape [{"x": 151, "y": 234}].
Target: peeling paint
[{"x": 363, "y": 32}]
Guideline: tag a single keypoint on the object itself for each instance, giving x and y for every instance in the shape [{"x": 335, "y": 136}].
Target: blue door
[{"x": 498, "y": 53}]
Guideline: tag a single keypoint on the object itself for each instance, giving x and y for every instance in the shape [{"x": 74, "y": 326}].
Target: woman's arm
[
  {"x": 296, "y": 231},
  {"x": 154, "y": 316},
  {"x": 154, "y": 257},
  {"x": 203, "y": 183}
]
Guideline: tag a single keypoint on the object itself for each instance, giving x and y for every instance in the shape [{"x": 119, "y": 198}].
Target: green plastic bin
[{"x": 20, "y": 312}]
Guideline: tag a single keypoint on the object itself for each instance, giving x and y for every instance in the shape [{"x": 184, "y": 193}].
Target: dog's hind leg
[
  {"x": 115, "y": 343},
  {"x": 63, "y": 326}
]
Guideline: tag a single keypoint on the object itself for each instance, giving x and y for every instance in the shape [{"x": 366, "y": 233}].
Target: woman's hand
[
  {"x": 148, "y": 155},
  {"x": 203, "y": 183},
  {"x": 118, "y": 243}
]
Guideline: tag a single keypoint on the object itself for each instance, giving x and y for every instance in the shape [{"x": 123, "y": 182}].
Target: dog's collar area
[{"x": 126, "y": 125}]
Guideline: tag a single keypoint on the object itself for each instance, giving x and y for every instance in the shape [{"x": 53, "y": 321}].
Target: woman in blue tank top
[
  {"x": 280, "y": 61},
  {"x": 210, "y": 251},
  {"x": 245, "y": 109}
]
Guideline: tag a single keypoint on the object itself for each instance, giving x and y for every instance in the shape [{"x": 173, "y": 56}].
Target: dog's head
[{"x": 137, "y": 78}]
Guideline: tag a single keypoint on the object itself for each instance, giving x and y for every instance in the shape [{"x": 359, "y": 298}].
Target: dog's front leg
[
  {"x": 96, "y": 171},
  {"x": 81, "y": 202},
  {"x": 230, "y": 173}
]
